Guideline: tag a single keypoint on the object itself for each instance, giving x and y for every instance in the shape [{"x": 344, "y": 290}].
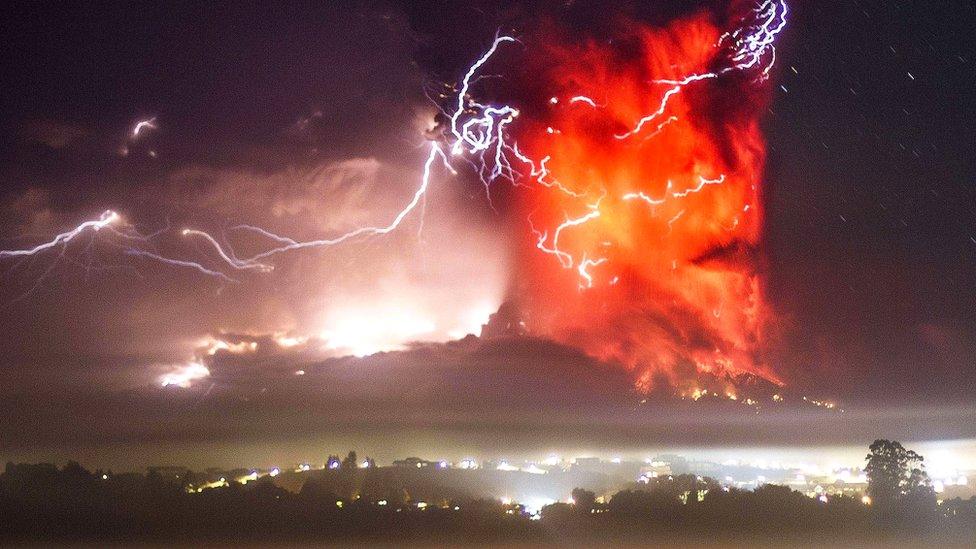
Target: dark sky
[
  {"x": 264, "y": 112},
  {"x": 872, "y": 172}
]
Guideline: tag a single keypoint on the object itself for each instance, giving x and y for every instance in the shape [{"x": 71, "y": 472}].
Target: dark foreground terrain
[{"x": 43, "y": 504}]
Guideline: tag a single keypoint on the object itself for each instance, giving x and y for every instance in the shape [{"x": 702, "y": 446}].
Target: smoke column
[{"x": 650, "y": 211}]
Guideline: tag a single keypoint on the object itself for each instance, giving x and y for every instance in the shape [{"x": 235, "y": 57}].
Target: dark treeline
[{"x": 43, "y": 503}]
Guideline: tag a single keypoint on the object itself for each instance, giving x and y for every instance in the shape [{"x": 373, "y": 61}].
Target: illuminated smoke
[
  {"x": 655, "y": 243},
  {"x": 184, "y": 375}
]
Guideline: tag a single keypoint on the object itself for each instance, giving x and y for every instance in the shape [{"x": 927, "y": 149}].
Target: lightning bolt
[
  {"x": 179, "y": 263},
  {"x": 645, "y": 198},
  {"x": 462, "y": 96},
  {"x": 129, "y": 242},
  {"x": 702, "y": 183},
  {"x": 582, "y": 99},
  {"x": 584, "y": 271},
  {"x": 142, "y": 125},
  {"x": 104, "y": 220},
  {"x": 750, "y": 44},
  {"x": 232, "y": 261},
  {"x": 565, "y": 258},
  {"x": 291, "y": 245},
  {"x": 654, "y": 115}
]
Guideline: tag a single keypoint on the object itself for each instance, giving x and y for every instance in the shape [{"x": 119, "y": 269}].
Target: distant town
[
  {"x": 534, "y": 484},
  {"x": 351, "y": 497}
]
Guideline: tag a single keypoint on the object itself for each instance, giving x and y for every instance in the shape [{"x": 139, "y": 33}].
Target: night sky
[{"x": 312, "y": 119}]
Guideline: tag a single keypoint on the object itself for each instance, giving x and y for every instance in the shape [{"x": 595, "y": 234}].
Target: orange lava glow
[{"x": 667, "y": 277}]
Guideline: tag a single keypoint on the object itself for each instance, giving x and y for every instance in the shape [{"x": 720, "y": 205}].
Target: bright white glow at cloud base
[{"x": 184, "y": 375}]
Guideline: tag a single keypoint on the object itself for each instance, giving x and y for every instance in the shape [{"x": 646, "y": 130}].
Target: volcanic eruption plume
[
  {"x": 637, "y": 162},
  {"x": 649, "y": 213}
]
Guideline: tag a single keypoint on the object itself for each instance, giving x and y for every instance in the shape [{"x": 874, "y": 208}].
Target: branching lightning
[
  {"x": 291, "y": 245},
  {"x": 61, "y": 240},
  {"x": 111, "y": 230},
  {"x": 752, "y": 45}
]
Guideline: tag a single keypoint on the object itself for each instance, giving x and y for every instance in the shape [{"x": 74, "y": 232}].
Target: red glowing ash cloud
[{"x": 649, "y": 205}]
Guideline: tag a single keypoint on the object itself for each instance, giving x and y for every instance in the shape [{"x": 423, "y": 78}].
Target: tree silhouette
[
  {"x": 899, "y": 488},
  {"x": 894, "y": 473},
  {"x": 585, "y": 500}
]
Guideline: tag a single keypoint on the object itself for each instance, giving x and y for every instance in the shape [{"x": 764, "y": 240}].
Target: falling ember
[{"x": 650, "y": 251}]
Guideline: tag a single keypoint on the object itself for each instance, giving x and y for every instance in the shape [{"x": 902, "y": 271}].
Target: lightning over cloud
[
  {"x": 292, "y": 245},
  {"x": 107, "y": 218},
  {"x": 81, "y": 247}
]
